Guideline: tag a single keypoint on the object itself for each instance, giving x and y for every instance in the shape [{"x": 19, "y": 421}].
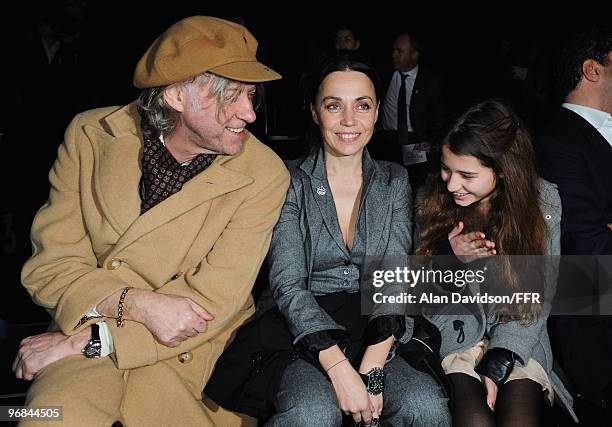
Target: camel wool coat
[{"x": 206, "y": 242}]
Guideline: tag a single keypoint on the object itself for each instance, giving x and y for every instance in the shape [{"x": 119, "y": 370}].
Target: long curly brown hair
[{"x": 493, "y": 133}]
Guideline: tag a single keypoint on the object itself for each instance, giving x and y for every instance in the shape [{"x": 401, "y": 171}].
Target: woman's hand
[
  {"x": 491, "y": 389},
  {"x": 469, "y": 246},
  {"x": 351, "y": 393},
  {"x": 376, "y": 402},
  {"x": 375, "y": 356}
]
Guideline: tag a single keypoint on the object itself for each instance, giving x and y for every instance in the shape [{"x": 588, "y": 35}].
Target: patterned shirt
[{"x": 162, "y": 175}]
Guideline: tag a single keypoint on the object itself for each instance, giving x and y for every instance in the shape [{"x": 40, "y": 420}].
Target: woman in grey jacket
[
  {"x": 340, "y": 207},
  {"x": 488, "y": 201}
]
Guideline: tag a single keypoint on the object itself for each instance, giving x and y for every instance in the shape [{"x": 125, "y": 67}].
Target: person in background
[
  {"x": 575, "y": 152},
  {"x": 346, "y": 39},
  {"x": 412, "y": 109}
]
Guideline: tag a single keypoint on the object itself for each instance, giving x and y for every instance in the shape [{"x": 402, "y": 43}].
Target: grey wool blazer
[
  {"x": 308, "y": 256},
  {"x": 527, "y": 341}
]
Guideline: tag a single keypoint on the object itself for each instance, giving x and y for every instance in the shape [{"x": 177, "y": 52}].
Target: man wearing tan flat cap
[{"x": 159, "y": 217}]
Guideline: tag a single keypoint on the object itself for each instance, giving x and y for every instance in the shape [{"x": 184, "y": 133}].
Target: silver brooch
[{"x": 321, "y": 190}]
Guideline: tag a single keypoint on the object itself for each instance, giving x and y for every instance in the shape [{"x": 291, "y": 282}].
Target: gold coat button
[
  {"x": 185, "y": 357},
  {"x": 113, "y": 264}
]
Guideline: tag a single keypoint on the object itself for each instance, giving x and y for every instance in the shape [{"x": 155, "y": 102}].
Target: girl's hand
[
  {"x": 491, "y": 389},
  {"x": 469, "y": 246}
]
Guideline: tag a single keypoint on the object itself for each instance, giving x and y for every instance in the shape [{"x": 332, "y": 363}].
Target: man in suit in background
[
  {"x": 576, "y": 154},
  {"x": 412, "y": 109}
]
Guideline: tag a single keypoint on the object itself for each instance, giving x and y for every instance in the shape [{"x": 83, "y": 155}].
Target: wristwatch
[
  {"x": 374, "y": 381},
  {"x": 94, "y": 347}
]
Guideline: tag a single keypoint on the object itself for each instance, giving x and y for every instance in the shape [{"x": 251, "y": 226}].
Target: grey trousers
[{"x": 411, "y": 398}]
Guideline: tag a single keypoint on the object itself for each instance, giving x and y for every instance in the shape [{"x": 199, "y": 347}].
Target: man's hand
[
  {"x": 171, "y": 319},
  {"x": 609, "y": 226},
  {"x": 469, "y": 246},
  {"x": 38, "y": 351}
]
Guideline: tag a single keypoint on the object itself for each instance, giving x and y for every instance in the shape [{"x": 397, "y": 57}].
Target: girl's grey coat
[{"x": 527, "y": 341}]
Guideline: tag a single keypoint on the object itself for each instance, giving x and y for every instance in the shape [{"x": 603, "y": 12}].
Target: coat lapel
[
  {"x": 314, "y": 166},
  {"x": 375, "y": 203},
  {"x": 117, "y": 168},
  {"x": 208, "y": 185},
  {"x": 117, "y": 155}
]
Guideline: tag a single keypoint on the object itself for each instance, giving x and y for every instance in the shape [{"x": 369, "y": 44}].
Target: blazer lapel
[
  {"x": 375, "y": 203},
  {"x": 314, "y": 166},
  {"x": 418, "y": 91},
  {"x": 592, "y": 135}
]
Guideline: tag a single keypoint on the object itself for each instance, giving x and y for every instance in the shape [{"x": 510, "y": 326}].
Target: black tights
[{"x": 519, "y": 403}]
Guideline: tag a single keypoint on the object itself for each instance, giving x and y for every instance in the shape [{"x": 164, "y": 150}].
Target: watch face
[
  {"x": 93, "y": 349},
  {"x": 376, "y": 381}
]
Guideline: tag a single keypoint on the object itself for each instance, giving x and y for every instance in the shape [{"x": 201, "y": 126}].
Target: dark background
[
  {"x": 110, "y": 36},
  {"x": 106, "y": 39}
]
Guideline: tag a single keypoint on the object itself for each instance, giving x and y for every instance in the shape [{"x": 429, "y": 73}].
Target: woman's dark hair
[{"x": 344, "y": 61}]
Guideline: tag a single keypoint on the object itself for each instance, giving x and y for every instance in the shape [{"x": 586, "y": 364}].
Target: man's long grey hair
[{"x": 159, "y": 118}]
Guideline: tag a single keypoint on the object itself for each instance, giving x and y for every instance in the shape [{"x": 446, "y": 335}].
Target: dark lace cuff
[
  {"x": 382, "y": 327},
  {"x": 317, "y": 341},
  {"x": 497, "y": 364}
]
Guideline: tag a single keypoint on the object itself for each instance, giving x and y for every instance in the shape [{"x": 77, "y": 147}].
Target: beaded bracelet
[{"x": 120, "y": 322}]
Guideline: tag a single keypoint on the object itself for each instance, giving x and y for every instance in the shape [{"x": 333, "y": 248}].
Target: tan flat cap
[{"x": 198, "y": 44}]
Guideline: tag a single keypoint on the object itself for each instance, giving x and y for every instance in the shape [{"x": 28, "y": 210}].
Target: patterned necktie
[{"x": 402, "y": 112}]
